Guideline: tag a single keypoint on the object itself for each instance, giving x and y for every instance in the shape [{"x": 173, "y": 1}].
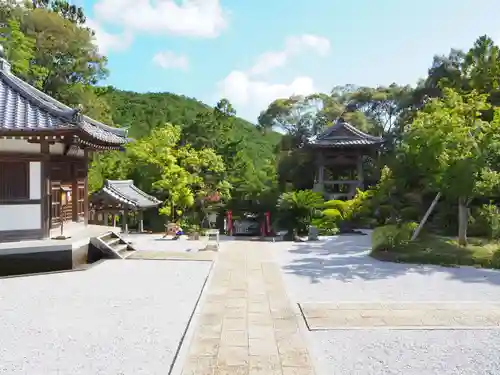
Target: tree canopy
[{"x": 444, "y": 128}]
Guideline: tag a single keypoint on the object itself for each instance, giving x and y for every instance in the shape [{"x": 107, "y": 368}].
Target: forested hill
[{"x": 142, "y": 112}]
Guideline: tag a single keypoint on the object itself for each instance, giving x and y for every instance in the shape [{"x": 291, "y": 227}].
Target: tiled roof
[
  {"x": 124, "y": 191},
  {"x": 342, "y": 134},
  {"x": 24, "y": 108}
]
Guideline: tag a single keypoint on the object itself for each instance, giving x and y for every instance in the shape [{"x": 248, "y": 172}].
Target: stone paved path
[
  {"x": 411, "y": 315},
  {"x": 247, "y": 325}
]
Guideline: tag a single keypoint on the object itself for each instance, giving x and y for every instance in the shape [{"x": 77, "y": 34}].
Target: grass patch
[{"x": 444, "y": 251}]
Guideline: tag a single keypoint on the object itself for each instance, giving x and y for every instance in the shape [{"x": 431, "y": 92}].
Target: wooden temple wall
[
  {"x": 20, "y": 200},
  {"x": 72, "y": 177},
  {"x": 31, "y": 175}
]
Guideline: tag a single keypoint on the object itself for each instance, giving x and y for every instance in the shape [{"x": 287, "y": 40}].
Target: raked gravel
[
  {"x": 385, "y": 352},
  {"x": 119, "y": 317},
  {"x": 339, "y": 269}
]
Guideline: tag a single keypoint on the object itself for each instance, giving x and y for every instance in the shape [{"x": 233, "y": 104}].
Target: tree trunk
[
  {"x": 426, "y": 216},
  {"x": 463, "y": 219}
]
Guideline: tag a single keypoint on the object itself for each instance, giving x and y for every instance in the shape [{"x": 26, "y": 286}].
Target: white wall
[
  {"x": 20, "y": 217},
  {"x": 19, "y": 145},
  {"x": 22, "y": 145},
  {"x": 35, "y": 175},
  {"x": 24, "y": 216},
  {"x": 56, "y": 149}
]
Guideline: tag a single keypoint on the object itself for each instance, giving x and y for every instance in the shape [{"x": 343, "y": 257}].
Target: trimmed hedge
[{"x": 391, "y": 236}]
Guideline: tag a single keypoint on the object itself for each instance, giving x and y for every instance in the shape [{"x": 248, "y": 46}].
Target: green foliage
[
  {"x": 327, "y": 223},
  {"x": 247, "y": 154},
  {"x": 337, "y": 204},
  {"x": 297, "y": 208},
  {"x": 181, "y": 175},
  {"x": 358, "y": 208},
  {"x": 356, "y": 211},
  {"x": 410, "y": 213},
  {"x": 113, "y": 165},
  {"x": 391, "y": 236},
  {"x": 447, "y": 139},
  {"x": 332, "y": 214},
  {"x": 450, "y": 142},
  {"x": 485, "y": 222}
]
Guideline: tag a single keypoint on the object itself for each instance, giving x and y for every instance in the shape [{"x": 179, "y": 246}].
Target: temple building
[
  {"x": 45, "y": 148},
  {"x": 118, "y": 198},
  {"x": 339, "y": 153}
]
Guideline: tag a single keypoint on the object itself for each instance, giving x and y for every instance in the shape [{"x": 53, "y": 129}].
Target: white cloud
[
  {"x": 251, "y": 94},
  {"x": 242, "y": 90},
  {"x": 294, "y": 45},
  {"x": 170, "y": 60},
  {"x": 196, "y": 18},
  {"x": 107, "y": 41}
]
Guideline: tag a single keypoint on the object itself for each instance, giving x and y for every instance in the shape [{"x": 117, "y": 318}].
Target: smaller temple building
[
  {"x": 339, "y": 153},
  {"x": 119, "y": 198}
]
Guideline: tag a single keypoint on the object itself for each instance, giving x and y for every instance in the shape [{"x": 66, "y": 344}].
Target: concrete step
[{"x": 110, "y": 246}]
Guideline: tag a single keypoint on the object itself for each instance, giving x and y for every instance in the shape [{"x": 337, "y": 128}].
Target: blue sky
[{"x": 254, "y": 51}]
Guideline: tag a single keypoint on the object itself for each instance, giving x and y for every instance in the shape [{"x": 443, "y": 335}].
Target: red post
[
  {"x": 268, "y": 223},
  {"x": 230, "y": 222}
]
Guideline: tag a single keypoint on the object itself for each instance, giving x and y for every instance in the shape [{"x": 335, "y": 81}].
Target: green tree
[
  {"x": 65, "y": 63},
  {"x": 450, "y": 144},
  {"x": 179, "y": 174},
  {"x": 296, "y": 210},
  {"x": 19, "y": 48}
]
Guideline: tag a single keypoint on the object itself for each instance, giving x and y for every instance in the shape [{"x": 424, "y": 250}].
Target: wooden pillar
[
  {"x": 86, "y": 187},
  {"x": 125, "y": 221},
  {"x": 360, "y": 177},
  {"x": 74, "y": 192},
  {"x": 106, "y": 218},
  {"x": 141, "y": 221},
  {"x": 321, "y": 169},
  {"x": 45, "y": 189}
]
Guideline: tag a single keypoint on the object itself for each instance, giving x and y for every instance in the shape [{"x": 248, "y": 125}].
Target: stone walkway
[
  {"x": 410, "y": 315},
  {"x": 246, "y": 324}
]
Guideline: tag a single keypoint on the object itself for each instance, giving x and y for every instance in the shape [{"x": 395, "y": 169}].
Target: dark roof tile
[
  {"x": 25, "y": 108},
  {"x": 125, "y": 192},
  {"x": 342, "y": 134}
]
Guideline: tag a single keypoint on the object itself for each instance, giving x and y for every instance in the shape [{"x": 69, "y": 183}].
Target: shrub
[
  {"x": 327, "y": 223},
  {"x": 332, "y": 214},
  {"x": 383, "y": 213},
  {"x": 391, "y": 236},
  {"x": 337, "y": 204},
  {"x": 325, "y": 227},
  {"x": 296, "y": 209},
  {"x": 410, "y": 213},
  {"x": 485, "y": 222}
]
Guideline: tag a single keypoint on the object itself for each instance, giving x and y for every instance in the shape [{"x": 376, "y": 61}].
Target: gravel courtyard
[
  {"x": 119, "y": 317},
  {"x": 338, "y": 270}
]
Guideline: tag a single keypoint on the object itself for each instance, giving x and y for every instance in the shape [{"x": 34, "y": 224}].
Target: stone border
[
  {"x": 403, "y": 316},
  {"x": 182, "y": 352}
]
